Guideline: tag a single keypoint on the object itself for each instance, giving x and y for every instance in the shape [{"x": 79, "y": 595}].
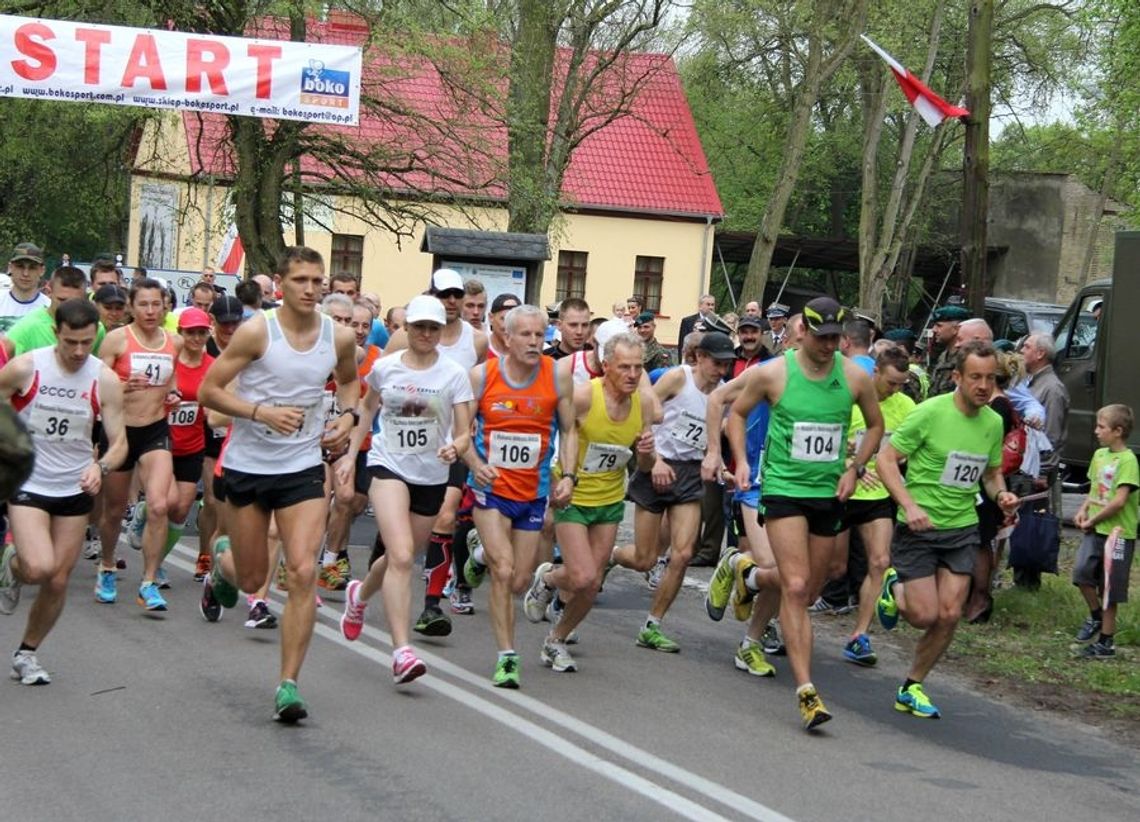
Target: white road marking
[{"x": 549, "y": 715}]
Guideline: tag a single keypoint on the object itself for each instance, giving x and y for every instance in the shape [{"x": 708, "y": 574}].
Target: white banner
[{"x": 87, "y": 62}]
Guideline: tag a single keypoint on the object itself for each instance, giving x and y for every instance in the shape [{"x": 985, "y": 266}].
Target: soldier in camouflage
[
  {"x": 945, "y": 328},
  {"x": 656, "y": 355}
]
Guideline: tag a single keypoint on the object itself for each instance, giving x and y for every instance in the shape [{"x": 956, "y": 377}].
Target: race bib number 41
[
  {"x": 157, "y": 368},
  {"x": 963, "y": 470},
  {"x": 816, "y": 441},
  {"x": 515, "y": 451}
]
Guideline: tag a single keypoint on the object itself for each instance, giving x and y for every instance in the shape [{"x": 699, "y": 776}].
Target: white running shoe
[{"x": 27, "y": 669}]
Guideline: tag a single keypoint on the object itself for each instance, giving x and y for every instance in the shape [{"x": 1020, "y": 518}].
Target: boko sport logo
[{"x": 321, "y": 86}]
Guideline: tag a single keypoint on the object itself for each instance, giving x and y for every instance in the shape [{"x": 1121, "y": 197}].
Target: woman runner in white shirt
[{"x": 425, "y": 403}]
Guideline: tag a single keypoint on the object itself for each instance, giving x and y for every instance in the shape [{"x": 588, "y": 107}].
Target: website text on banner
[{"x": 87, "y": 62}]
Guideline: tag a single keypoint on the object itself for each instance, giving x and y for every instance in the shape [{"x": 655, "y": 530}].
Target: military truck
[{"x": 1098, "y": 352}]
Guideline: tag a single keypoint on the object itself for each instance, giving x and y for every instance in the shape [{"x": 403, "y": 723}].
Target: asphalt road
[{"x": 170, "y": 717}]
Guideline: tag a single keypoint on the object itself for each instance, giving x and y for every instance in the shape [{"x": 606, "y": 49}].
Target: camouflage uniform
[
  {"x": 941, "y": 375},
  {"x": 656, "y": 356}
]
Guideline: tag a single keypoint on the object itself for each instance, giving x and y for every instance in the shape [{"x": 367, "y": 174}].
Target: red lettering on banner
[
  {"x": 93, "y": 40},
  {"x": 212, "y": 68},
  {"x": 265, "y": 55},
  {"x": 45, "y": 58},
  {"x": 143, "y": 62}
]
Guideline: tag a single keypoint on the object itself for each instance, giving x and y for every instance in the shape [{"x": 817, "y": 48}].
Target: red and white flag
[
  {"x": 232, "y": 253},
  {"x": 932, "y": 108}
]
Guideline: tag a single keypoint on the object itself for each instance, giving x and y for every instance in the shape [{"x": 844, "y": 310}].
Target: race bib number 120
[{"x": 963, "y": 470}]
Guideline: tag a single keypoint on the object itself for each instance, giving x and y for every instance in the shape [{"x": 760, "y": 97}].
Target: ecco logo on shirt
[{"x": 53, "y": 391}]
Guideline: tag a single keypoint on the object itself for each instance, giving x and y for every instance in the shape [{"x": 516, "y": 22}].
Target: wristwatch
[
  {"x": 860, "y": 470},
  {"x": 104, "y": 468},
  {"x": 572, "y": 477},
  {"x": 355, "y": 415}
]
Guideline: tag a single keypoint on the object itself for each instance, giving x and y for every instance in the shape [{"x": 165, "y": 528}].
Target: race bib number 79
[
  {"x": 963, "y": 470},
  {"x": 602, "y": 457}
]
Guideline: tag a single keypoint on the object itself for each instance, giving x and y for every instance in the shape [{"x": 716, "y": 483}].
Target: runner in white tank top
[
  {"x": 58, "y": 392},
  {"x": 273, "y": 462},
  {"x": 674, "y": 484},
  {"x": 425, "y": 402}
]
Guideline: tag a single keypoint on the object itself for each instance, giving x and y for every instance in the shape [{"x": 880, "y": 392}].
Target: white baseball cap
[
  {"x": 425, "y": 309},
  {"x": 446, "y": 279},
  {"x": 607, "y": 331}
]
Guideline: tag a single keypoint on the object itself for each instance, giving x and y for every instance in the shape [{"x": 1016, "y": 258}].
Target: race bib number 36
[
  {"x": 515, "y": 451},
  {"x": 58, "y": 423},
  {"x": 963, "y": 470},
  {"x": 602, "y": 457},
  {"x": 816, "y": 442}
]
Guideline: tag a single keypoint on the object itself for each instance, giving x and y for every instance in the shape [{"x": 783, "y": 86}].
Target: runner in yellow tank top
[{"x": 611, "y": 430}]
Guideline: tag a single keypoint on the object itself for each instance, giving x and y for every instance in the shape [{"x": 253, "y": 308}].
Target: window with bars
[
  {"x": 648, "y": 274},
  {"x": 571, "y": 275},
  {"x": 347, "y": 255}
]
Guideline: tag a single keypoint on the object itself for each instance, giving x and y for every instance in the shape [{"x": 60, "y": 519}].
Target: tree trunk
[
  {"x": 873, "y": 97},
  {"x": 1115, "y": 161},
  {"x": 976, "y": 191},
  {"x": 816, "y": 72}
]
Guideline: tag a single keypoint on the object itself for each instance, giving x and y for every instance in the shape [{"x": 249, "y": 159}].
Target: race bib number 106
[{"x": 515, "y": 451}]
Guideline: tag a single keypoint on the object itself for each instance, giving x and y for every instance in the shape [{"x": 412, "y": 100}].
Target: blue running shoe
[
  {"x": 858, "y": 650},
  {"x": 915, "y": 701},
  {"x": 150, "y": 598},
  {"x": 106, "y": 586},
  {"x": 886, "y": 607}
]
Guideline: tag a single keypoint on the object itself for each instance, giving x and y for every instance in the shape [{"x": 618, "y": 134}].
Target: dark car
[{"x": 1013, "y": 319}]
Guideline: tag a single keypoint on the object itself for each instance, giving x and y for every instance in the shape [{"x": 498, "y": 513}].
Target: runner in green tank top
[{"x": 804, "y": 478}]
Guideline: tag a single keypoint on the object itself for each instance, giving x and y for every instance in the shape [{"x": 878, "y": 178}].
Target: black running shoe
[
  {"x": 433, "y": 622},
  {"x": 260, "y": 616}
]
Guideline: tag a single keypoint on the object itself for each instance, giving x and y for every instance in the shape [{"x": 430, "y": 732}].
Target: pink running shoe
[
  {"x": 352, "y": 621},
  {"x": 406, "y": 666}
]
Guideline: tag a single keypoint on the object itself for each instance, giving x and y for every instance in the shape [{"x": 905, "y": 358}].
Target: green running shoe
[
  {"x": 225, "y": 592},
  {"x": 506, "y": 672},
  {"x": 750, "y": 658},
  {"x": 651, "y": 637},
  {"x": 288, "y": 705},
  {"x": 742, "y": 596},
  {"x": 915, "y": 701},
  {"x": 473, "y": 572},
  {"x": 886, "y": 607},
  {"x": 720, "y": 587}
]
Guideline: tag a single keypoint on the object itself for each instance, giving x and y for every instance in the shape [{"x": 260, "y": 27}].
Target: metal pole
[
  {"x": 724, "y": 271},
  {"x": 784, "y": 284},
  {"x": 938, "y": 299}
]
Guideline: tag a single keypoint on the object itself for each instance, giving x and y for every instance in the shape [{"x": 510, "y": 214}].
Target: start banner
[{"x": 87, "y": 62}]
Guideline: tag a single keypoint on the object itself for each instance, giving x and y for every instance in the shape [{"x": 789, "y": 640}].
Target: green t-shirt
[
  {"x": 37, "y": 330},
  {"x": 947, "y": 454},
  {"x": 1107, "y": 472},
  {"x": 895, "y": 409}
]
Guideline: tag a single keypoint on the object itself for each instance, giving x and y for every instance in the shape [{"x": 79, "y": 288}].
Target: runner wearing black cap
[
  {"x": 674, "y": 484},
  {"x": 811, "y": 392}
]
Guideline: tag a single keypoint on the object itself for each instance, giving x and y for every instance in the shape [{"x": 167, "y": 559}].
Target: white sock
[
  {"x": 328, "y": 557},
  {"x": 479, "y": 556},
  {"x": 804, "y": 688}
]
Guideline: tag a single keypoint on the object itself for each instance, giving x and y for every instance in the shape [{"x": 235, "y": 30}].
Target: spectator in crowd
[
  {"x": 474, "y": 306},
  {"x": 1038, "y": 352},
  {"x": 776, "y": 337},
  {"x": 654, "y": 355},
  {"x": 752, "y": 309},
  {"x": 706, "y": 313}
]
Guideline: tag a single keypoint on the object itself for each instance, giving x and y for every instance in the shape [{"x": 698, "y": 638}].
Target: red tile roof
[{"x": 647, "y": 160}]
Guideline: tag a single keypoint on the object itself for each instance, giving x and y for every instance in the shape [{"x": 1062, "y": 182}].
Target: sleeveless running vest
[
  {"x": 514, "y": 431},
  {"x": 681, "y": 435},
  {"x": 580, "y": 368},
  {"x": 604, "y": 449},
  {"x": 284, "y": 376},
  {"x": 60, "y": 410},
  {"x": 156, "y": 363},
  {"x": 807, "y": 434},
  {"x": 187, "y": 434},
  {"x": 462, "y": 351}
]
